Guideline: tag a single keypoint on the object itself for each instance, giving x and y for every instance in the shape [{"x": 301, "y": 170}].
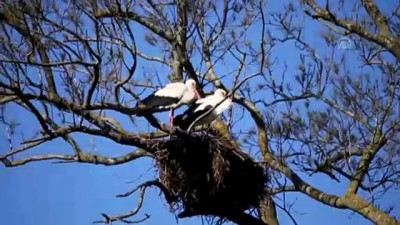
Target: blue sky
[{"x": 46, "y": 194}]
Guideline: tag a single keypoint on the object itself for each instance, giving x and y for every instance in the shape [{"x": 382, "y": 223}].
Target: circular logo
[{"x": 345, "y": 43}]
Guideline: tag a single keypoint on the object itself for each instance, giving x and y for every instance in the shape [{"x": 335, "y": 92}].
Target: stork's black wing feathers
[
  {"x": 154, "y": 100},
  {"x": 161, "y": 102},
  {"x": 184, "y": 120}
]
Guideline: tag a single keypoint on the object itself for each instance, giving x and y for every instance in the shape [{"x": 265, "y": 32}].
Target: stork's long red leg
[{"x": 171, "y": 117}]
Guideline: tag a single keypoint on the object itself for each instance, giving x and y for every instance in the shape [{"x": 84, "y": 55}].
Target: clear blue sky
[{"x": 43, "y": 193}]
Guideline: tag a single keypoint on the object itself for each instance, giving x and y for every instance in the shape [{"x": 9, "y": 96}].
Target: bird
[
  {"x": 202, "y": 106},
  {"x": 172, "y": 96}
]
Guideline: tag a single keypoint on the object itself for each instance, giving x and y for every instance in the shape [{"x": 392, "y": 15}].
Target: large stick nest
[{"x": 207, "y": 175}]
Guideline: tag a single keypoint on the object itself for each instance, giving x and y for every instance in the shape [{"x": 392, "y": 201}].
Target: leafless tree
[{"x": 79, "y": 67}]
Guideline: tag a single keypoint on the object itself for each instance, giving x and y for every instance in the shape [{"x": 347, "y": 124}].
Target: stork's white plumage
[
  {"x": 172, "y": 96},
  {"x": 201, "y": 107}
]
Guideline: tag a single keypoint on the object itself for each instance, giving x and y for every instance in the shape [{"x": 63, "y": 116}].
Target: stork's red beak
[{"x": 196, "y": 92}]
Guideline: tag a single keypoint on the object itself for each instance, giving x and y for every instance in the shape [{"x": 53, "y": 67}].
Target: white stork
[
  {"x": 172, "y": 96},
  {"x": 202, "y": 106}
]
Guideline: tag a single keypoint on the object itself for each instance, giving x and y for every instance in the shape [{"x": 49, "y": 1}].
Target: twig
[
  {"x": 131, "y": 70},
  {"x": 150, "y": 183},
  {"x": 288, "y": 213},
  {"x": 23, "y": 148},
  {"x": 145, "y": 184},
  {"x": 262, "y": 38},
  {"x": 122, "y": 217}
]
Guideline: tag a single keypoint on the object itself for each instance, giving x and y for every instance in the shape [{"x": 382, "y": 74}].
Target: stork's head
[
  {"x": 220, "y": 92},
  {"x": 191, "y": 84}
]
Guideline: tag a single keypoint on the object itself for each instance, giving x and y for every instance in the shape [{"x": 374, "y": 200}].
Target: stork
[
  {"x": 201, "y": 107},
  {"x": 172, "y": 96}
]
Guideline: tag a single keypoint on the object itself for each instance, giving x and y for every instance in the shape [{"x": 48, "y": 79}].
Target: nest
[{"x": 207, "y": 175}]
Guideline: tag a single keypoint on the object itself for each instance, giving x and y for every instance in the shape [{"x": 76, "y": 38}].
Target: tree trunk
[{"x": 268, "y": 211}]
